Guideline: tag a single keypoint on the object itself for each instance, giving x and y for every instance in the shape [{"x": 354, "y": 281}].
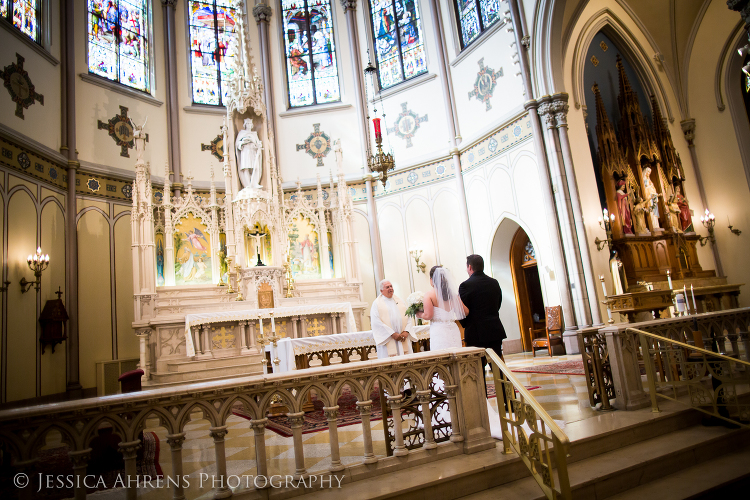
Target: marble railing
[
  {"x": 25, "y": 431},
  {"x": 612, "y": 359}
]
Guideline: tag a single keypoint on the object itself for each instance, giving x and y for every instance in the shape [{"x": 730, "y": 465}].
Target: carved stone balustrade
[{"x": 25, "y": 431}]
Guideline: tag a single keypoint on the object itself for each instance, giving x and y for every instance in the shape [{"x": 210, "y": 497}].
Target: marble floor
[{"x": 563, "y": 396}]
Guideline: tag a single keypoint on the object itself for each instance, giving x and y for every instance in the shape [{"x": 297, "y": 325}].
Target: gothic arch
[{"x": 733, "y": 90}]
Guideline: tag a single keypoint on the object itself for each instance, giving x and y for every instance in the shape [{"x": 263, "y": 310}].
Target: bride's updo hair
[{"x": 443, "y": 283}]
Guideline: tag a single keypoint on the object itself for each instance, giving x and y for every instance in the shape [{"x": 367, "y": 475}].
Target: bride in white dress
[{"x": 443, "y": 307}]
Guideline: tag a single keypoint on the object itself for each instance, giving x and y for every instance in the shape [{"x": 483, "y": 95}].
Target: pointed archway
[{"x": 526, "y": 287}]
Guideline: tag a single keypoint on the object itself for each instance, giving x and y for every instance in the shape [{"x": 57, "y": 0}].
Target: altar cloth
[
  {"x": 287, "y": 349},
  {"x": 192, "y": 320}
]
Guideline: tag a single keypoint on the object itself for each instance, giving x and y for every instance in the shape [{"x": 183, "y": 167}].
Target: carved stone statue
[
  {"x": 623, "y": 206},
  {"x": 249, "y": 156},
  {"x": 673, "y": 213},
  {"x": 686, "y": 219},
  {"x": 339, "y": 154},
  {"x": 139, "y": 138},
  {"x": 619, "y": 280},
  {"x": 640, "y": 209},
  {"x": 650, "y": 194}
]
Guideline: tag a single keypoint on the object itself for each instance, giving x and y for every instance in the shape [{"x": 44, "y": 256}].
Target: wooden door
[{"x": 527, "y": 288}]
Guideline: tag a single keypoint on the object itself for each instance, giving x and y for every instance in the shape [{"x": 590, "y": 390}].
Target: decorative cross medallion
[
  {"x": 406, "y": 124},
  {"x": 19, "y": 86},
  {"x": 120, "y": 129},
  {"x": 216, "y": 147},
  {"x": 317, "y": 145},
  {"x": 316, "y": 327},
  {"x": 485, "y": 84},
  {"x": 223, "y": 339}
]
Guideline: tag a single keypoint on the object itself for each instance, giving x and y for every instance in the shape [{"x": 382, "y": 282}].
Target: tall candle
[
  {"x": 376, "y": 123},
  {"x": 693, "y": 294},
  {"x": 604, "y": 287},
  {"x": 260, "y": 319},
  {"x": 669, "y": 279},
  {"x": 273, "y": 324}
]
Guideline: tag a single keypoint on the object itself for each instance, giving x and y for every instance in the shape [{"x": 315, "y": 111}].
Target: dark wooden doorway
[{"x": 527, "y": 287}]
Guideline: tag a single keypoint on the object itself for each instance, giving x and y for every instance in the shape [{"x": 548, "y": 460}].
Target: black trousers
[{"x": 498, "y": 348}]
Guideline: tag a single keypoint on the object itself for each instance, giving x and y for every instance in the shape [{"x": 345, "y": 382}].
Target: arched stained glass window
[
  {"x": 118, "y": 41},
  {"x": 311, "y": 69},
  {"x": 24, "y": 15},
  {"x": 475, "y": 16},
  {"x": 399, "y": 43},
  {"x": 212, "y": 29}
]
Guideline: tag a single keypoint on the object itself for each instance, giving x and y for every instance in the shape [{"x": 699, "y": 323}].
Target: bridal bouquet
[{"x": 414, "y": 303}]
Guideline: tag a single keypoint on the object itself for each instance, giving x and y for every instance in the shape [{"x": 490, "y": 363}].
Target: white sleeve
[{"x": 380, "y": 330}]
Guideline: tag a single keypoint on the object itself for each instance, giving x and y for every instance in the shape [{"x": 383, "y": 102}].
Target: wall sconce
[
  {"x": 731, "y": 228},
  {"x": 606, "y": 224},
  {"x": 709, "y": 221},
  {"x": 416, "y": 255},
  {"x": 37, "y": 263}
]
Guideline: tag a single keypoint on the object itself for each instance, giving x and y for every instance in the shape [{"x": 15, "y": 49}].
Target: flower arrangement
[{"x": 414, "y": 303}]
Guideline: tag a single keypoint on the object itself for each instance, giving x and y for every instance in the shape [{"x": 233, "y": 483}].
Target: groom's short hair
[{"x": 476, "y": 262}]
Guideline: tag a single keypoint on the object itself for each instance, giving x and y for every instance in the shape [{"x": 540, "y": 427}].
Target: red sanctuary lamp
[{"x": 380, "y": 162}]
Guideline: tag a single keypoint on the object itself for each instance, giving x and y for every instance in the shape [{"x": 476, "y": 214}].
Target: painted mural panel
[
  {"x": 192, "y": 251},
  {"x": 223, "y": 262},
  {"x": 304, "y": 247},
  {"x": 160, "y": 245}
]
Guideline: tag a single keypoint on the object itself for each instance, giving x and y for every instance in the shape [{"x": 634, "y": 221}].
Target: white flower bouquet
[{"x": 414, "y": 303}]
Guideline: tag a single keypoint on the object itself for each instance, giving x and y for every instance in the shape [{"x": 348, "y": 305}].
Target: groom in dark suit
[{"x": 481, "y": 294}]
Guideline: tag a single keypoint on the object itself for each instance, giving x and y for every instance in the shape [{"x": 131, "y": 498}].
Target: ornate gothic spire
[
  {"x": 610, "y": 156},
  {"x": 663, "y": 138},
  {"x": 635, "y": 134}
]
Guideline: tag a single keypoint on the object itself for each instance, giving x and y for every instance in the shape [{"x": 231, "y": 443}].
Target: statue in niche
[
  {"x": 249, "y": 156},
  {"x": 673, "y": 213},
  {"x": 619, "y": 281},
  {"x": 685, "y": 216},
  {"x": 139, "y": 138},
  {"x": 652, "y": 196},
  {"x": 640, "y": 209},
  {"x": 623, "y": 206}
]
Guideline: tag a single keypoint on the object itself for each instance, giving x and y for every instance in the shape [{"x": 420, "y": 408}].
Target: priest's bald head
[{"x": 386, "y": 288}]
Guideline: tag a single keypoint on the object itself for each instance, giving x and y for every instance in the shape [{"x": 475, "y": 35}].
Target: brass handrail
[
  {"x": 679, "y": 370},
  {"x": 534, "y": 450}
]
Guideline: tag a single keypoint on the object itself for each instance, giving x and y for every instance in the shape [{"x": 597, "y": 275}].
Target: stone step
[
  {"x": 636, "y": 465},
  {"x": 190, "y": 365},
  {"x": 212, "y": 373}
]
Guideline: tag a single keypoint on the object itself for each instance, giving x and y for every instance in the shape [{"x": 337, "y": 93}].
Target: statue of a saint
[
  {"x": 249, "y": 157},
  {"x": 650, "y": 194},
  {"x": 623, "y": 205},
  {"x": 640, "y": 209},
  {"x": 673, "y": 212},
  {"x": 139, "y": 138},
  {"x": 619, "y": 281},
  {"x": 686, "y": 220}
]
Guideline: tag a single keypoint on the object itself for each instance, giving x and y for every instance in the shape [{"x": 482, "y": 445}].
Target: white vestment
[{"x": 386, "y": 318}]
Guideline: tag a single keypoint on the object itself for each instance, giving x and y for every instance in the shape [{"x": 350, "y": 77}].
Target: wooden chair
[{"x": 553, "y": 331}]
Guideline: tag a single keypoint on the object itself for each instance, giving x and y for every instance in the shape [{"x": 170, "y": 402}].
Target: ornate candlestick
[
  {"x": 289, "y": 278},
  {"x": 262, "y": 343},
  {"x": 239, "y": 284},
  {"x": 274, "y": 340},
  {"x": 229, "y": 277}
]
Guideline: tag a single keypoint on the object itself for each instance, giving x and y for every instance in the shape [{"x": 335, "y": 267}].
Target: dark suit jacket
[{"x": 481, "y": 294}]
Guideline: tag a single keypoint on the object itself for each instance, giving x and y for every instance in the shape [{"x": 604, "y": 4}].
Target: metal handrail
[
  {"x": 678, "y": 371},
  {"x": 534, "y": 449}
]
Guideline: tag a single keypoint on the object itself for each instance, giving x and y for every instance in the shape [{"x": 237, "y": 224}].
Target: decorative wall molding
[
  {"x": 120, "y": 89},
  {"x": 42, "y": 51}
]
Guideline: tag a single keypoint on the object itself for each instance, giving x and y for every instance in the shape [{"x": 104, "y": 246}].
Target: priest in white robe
[{"x": 391, "y": 327}]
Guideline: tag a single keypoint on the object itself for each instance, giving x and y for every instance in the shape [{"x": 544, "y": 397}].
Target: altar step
[
  {"x": 625, "y": 455},
  {"x": 203, "y": 370}
]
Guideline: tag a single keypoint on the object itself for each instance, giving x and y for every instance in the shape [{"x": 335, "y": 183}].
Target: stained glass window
[
  {"x": 212, "y": 31},
  {"x": 311, "y": 69},
  {"x": 475, "y": 16},
  {"x": 24, "y": 15},
  {"x": 399, "y": 44},
  {"x": 118, "y": 41}
]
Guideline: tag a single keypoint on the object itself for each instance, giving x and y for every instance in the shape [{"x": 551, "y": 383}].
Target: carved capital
[
  {"x": 259, "y": 426},
  {"x": 130, "y": 449},
  {"x": 545, "y": 110},
  {"x": 688, "y": 128},
  {"x": 218, "y": 433},
  {"x": 262, "y": 13},
  {"x": 451, "y": 390},
  {"x": 560, "y": 109},
  {"x": 296, "y": 419},
  {"x": 365, "y": 407},
  {"x": 526, "y": 41},
  {"x": 169, "y": 3},
  {"x": 175, "y": 441},
  {"x": 349, "y": 4},
  {"x": 331, "y": 412},
  {"x": 80, "y": 458},
  {"x": 424, "y": 396}
]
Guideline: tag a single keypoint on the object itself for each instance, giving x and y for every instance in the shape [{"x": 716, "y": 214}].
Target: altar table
[
  {"x": 192, "y": 320},
  {"x": 288, "y": 349}
]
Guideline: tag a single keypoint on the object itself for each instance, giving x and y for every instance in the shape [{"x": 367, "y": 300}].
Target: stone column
[
  {"x": 251, "y": 334},
  {"x": 399, "y": 450},
  {"x": 626, "y": 374},
  {"x": 456, "y": 436},
  {"x": 561, "y": 117},
  {"x": 334, "y": 320},
  {"x": 129, "y": 452},
  {"x": 28, "y": 467},
  {"x": 143, "y": 336},
  {"x": 365, "y": 409},
  {"x": 262, "y": 14},
  {"x": 218, "y": 433},
  {"x": 243, "y": 336},
  {"x": 71, "y": 206},
  {"x": 294, "y": 320},
  {"x": 429, "y": 437},
  {"x": 372, "y": 220},
  {"x": 297, "y": 420},
  {"x": 259, "y": 429},
  {"x": 173, "y": 118},
  {"x": 207, "y": 339},
  {"x": 332, "y": 413},
  {"x": 175, "y": 444},
  {"x": 454, "y": 135},
  {"x": 564, "y": 219},
  {"x": 688, "y": 128},
  {"x": 80, "y": 460}
]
